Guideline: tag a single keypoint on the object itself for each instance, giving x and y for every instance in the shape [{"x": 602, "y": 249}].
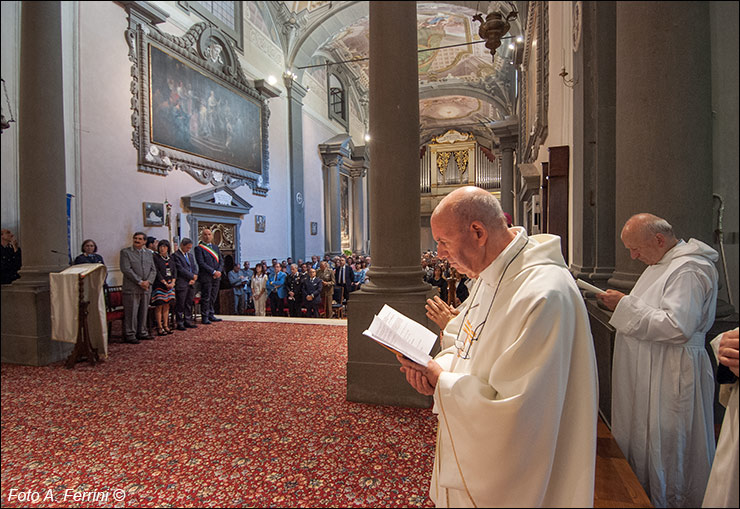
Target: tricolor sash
[{"x": 210, "y": 250}]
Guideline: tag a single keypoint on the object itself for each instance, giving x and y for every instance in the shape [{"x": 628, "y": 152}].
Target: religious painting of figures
[{"x": 195, "y": 114}]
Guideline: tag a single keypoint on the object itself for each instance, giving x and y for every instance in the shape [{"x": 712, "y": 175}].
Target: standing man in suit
[
  {"x": 311, "y": 290},
  {"x": 137, "y": 266},
  {"x": 344, "y": 277},
  {"x": 187, "y": 275},
  {"x": 210, "y": 266},
  {"x": 276, "y": 291}
]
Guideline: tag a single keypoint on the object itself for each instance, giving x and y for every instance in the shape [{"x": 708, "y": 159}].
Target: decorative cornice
[{"x": 203, "y": 47}]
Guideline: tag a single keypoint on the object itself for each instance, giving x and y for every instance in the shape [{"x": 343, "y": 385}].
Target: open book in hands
[{"x": 402, "y": 335}]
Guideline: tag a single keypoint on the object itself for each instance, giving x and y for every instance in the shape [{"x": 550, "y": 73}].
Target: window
[
  {"x": 225, "y": 15},
  {"x": 337, "y": 100}
]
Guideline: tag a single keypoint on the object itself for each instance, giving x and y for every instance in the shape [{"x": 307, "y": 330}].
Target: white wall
[
  {"x": 560, "y": 104},
  {"x": 10, "y": 36},
  {"x": 112, "y": 190}
]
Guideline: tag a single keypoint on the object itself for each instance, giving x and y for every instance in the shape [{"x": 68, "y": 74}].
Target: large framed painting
[{"x": 194, "y": 110}]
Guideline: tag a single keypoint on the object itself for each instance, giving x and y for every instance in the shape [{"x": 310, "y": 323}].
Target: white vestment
[
  {"x": 722, "y": 488},
  {"x": 662, "y": 378},
  {"x": 517, "y": 418}
]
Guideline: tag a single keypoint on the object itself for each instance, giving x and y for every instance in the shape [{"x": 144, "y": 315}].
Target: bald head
[
  {"x": 470, "y": 229},
  {"x": 648, "y": 224},
  {"x": 470, "y": 203},
  {"x": 648, "y": 237}
]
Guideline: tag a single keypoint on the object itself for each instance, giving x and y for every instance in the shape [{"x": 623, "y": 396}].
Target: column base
[
  {"x": 623, "y": 281},
  {"x": 373, "y": 374},
  {"x": 26, "y": 326}
]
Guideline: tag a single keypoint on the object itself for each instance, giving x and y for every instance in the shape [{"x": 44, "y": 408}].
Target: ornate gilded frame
[
  {"x": 208, "y": 51},
  {"x": 535, "y": 96}
]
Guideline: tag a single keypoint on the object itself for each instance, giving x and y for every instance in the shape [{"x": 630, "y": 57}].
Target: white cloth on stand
[{"x": 65, "y": 305}]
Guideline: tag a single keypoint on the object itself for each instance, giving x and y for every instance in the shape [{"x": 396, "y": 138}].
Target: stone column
[
  {"x": 358, "y": 176},
  {"x": 663, "y": 159},
  {"x": 396, "y": 277},
  {"x": 507, "y": 134},
  {"x": 594, "y": 144},
  {"x": 296, "y": 93},
  {"x": 332, "y": 204},
  {"x": 26, "y": 305}
]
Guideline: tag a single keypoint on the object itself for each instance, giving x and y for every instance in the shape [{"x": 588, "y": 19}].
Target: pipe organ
[{"x": 456, "y": 159}]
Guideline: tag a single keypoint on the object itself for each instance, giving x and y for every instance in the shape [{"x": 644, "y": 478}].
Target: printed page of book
[{"x": 402, "y": 334}]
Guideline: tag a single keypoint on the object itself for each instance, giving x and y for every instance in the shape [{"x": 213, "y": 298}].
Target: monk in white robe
[
  {"x": 662, "y": 378},
  {"x": 722, "y": 489},
  {"x": 515, "y": 386}
]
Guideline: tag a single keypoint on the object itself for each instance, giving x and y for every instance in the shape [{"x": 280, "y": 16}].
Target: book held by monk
[{"x": 402, "y": 335}]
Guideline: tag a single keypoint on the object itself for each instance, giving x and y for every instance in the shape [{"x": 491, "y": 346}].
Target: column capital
[{"x": 296, "y": 91}]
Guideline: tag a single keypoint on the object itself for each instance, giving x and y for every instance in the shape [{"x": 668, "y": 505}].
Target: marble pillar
[
  {"x": 507, "y": 134},
  {"x": 26, "y": 306},
  {"x": 296, "y": 93},
  {"x": 395, "y": 277},
  {"x": 594, "y": 145},
  {"x": 332, "y": 204},
  {"x": 663, "y": 122},
  {"x": 358, "y": 210}
]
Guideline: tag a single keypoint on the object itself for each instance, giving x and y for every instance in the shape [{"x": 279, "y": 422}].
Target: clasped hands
[{"x": 728, "y": 350}]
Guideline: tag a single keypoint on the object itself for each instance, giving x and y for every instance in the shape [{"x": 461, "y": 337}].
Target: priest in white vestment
[
  {"x": 723, "y": 489},
  {"x": 515, "y": 386},
  {"x": 662, "y": 378}
]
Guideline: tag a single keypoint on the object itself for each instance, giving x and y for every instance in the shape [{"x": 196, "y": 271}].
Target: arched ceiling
[{"x": 460, "y": 87}]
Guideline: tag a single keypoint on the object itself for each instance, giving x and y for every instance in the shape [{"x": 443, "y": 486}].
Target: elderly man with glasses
[{"x": 515, "y": 385}]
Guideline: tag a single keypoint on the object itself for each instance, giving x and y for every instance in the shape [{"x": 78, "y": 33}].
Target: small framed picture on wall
[
  {"x": 153, "y": 214},
  {"x": 314, "y": 228},
  {"x": 259, "y": 223}
]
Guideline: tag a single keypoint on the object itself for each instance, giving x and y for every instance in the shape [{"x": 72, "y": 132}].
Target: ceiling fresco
[{"x": 460, "y": 86}]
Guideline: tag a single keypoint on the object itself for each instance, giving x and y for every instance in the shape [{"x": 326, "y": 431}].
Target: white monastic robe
[
  {"x": 662, "y": 378},
  {"x": 517, "y": 418},
  {"x": 722, "y": 488}
]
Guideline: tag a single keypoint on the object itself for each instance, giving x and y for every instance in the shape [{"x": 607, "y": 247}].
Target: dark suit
[
  {"x": 136, "y": 266},
  {"x": 293, "y": 284},
  {"x": 313, "y": 288},
  {"x": 187, "y": 268},
  {"x": 344, "y": 277},
  {"x": 207, "y": 265}
]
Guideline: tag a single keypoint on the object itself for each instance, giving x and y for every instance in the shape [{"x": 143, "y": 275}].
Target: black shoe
[
  {"x": 206, "y": 322},
  {"x": 181, "y": 327},
  {"x": 191, "y": 326},
  {"x": 214, "y": 319},
  {"x": 148, "y": 336},
  {"x": 131, "y": 341}
]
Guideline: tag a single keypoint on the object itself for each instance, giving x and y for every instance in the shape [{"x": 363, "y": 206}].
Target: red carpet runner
[{"x": 238, "y": 414}]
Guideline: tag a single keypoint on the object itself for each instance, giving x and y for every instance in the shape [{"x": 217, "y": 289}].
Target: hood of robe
[
  {"x": 525, "y": 252},
  {"x": 692, "y": 248}
]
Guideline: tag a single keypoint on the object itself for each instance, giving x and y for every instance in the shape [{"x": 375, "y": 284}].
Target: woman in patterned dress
[{"x": 163, "y": 292}]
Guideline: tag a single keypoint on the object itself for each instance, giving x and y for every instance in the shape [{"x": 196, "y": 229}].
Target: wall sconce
[{"x": 568, "y": 83}]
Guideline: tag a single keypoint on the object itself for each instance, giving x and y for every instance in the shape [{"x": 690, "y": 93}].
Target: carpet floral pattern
[{"x": 238, "y": 414}]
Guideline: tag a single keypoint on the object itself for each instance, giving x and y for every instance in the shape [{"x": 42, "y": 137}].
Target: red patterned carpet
[{"x": 238, "y": 414}]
